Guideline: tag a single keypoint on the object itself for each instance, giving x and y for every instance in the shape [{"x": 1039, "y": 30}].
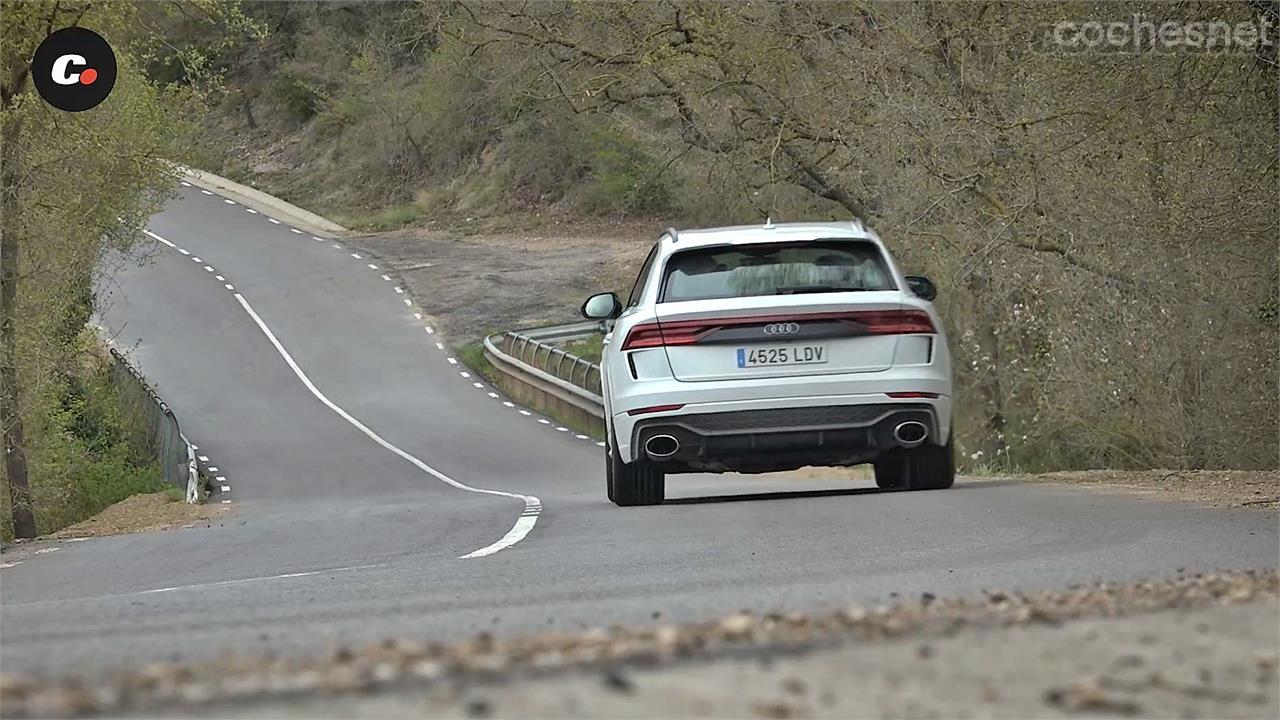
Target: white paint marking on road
[
  {"x": 220, "y": 478},
  {"x": 226, "y": 488},
  {"x": 241, "y": 581},
  {"x": 5, "y": 566},
  {"x": 356, "y": 256},
  {"x": 387, "y": 278},
  {"x": 295, "y": 230},
  {"x": 582, "y": 437},
  {"x": 208, "y": 268},
  {"x": 251, "y": 210},
  {"x": 336, "y": 246},
  {"x": 318, "y": 238},
  {"x": 229, "y": 202},
  {"x": 196, "y": 259},
  {"x": 408, "y": 302},
  {"x": 563, "y": 429},
  {"x": 157, "y": 237},
  {"x": 508, "y": 403},
  {"x": 224, "y": 502},
  {"x": 274, "y": 221},
  {"x": 204, "y": 458},
  {"x": 478, "y": 385},
  {"x": 184, "y": 183},
  {"x": 184, "y": 252},
  {"x": 601, "y": 444},
  {"x": 517, "y": 532},
  {"x": 399, "y": 290},
  {"x": 206, "y": 192},
  {"x": 219, "y": 278},
  {"x": 493, "y": 395},
  {"x": 417, "y": 316},
  {"x": 453, "y": 361},
  {"x": 439, "y": 346},
  {"x": 465, "y": 374},
  {"x": 544, "y": 421},
  {"x": 213, "y": 469},
  {"x": 372, "y": 266},
  {"x": 229, "y": 286},
  {"x": 430, "y": 330},
  {"x": 525, "y": 412},
  {"x": 46, "y": 551}
]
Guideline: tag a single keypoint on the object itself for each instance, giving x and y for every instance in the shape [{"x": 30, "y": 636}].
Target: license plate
[{"x": 782, "y": 355}]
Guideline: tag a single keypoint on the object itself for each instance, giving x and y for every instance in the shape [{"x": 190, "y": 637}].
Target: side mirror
[
  {"x": 604, "y": 306},
  {"x": 922, "y": 287}
]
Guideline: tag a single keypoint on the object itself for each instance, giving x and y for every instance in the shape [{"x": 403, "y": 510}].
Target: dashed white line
[
  {"x": 213, "y": 469},
  {"x": 229, "y": 286},
  {"x": 563, "y": 429},
  {"x": 224, "y": 502},
  {"x": 417, "y": 316},
  {"x": 524, "y": 412},
  {"x": 356, "y": 256},
  {"x": 524, "y": 524},
  {"x": 184, "y": 252},
  {"x": 251, "y": 210},
  {"x": 452, "y": 361},
  {"x": 372, "y": 266},
  {"x": 465, "y": 374},
  {"x": 582, "y": 437},
  {"x": 219, "y": 278},
  {"x": 387, "y": 278},
  {"x": 220, "y": 583},
  {"x": 478, "y": 385},
  {"x": 295, "y": 230},
  {"x": 399, "y": 290},
  {"x": 439, "y": 346},
  {"x": 601, "y": 444},
  {"x": 204, "y": 458},
  {"x": 508, "y": 403},
  {"x": 184, "y": 183},
  {"x": 229, "y": 202},
  {"x": 226, "y": 488},
  {"x": 430, "y": 330},
  {"x": 208, "y": 268},
  {"x": 273, "y": 221},
  {"x": 196, "y": 259},
  {"x": 206, "y": 192},
  {"x": 544, "y": 421},
  {"x": 46, "y": 551},
  {"x": 408, "y": 302},
  {"x": 166, "y": 242},
  {"x": 317, "y": 238},
  {"x": 493, "y": 395}
]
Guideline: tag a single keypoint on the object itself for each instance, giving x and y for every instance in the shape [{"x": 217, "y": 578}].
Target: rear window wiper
[{"x": 802, "y": 289}]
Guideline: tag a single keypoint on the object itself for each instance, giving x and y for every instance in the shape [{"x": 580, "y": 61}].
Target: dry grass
[
  {"x": 143, "y": 513},
  {"x": 1218, "y": 488}
]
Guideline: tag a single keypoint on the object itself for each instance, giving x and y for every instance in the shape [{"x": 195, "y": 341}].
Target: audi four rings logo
[
  {"x": 787, "y": 328},
  {"x": 74, "y": 69}
]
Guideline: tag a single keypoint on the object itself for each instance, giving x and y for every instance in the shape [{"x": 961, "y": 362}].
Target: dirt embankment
[{"x": 485, "y": 283}]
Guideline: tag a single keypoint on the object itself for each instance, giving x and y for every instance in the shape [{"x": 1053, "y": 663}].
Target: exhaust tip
[
  {"x": 910, "y": 433},
  {"x": 661, "y": 446}
]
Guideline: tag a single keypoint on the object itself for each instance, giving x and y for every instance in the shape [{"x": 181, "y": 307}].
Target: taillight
[
  {"x": 691, "y": 332},
  {"x": 654, "y": 409},
  {"x": 912, "y": 395}
]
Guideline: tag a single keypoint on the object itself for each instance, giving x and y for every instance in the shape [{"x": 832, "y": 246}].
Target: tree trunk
[{"x": 15, "y": 456}]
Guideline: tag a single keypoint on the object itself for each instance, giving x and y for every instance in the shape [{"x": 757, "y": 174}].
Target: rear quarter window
[{"x": 815, "y": 266}]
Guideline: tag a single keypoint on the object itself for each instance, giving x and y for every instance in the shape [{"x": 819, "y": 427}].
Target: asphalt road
[{"x": 337, "y": 537}]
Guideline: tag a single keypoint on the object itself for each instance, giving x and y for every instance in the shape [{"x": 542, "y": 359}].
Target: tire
[
  {"x": 637, "y": 483},
  {"x": 928, "y": 467}
]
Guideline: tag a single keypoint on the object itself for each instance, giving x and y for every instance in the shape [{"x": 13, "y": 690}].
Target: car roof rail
[{"x": 675, "y": 234}]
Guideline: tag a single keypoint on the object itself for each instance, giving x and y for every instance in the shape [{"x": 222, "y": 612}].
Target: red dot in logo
[{"x": 87, "y": 76}]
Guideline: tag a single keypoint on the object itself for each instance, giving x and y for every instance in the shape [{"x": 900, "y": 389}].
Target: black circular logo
[{"x": 74, "y": 69}]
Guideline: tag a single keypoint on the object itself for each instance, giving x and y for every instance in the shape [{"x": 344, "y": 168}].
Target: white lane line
[
  {"x": 46, "y": 551},
  {"x": 204, "y": 458},
  {"x": 229, "y": 202},
  {"x": 206, "y": 192},
  {"x": 453, "y": 361},
  {"x": 226, "y": 488},
  {"x": 251, "y": 210},
  {"x": 601, "y": 444},
  {"x": 229, "y": 286},
  {"x": 220, "y": 278},
  {"x": 317, "y": 238},
  {"x": 430, "y": 330},
  {"x": 225, "y": 502},
  {"x": 196, "y": 259},
  {"x": 387, "y": 278},
  {"x": 525, "y": 413},
  {"x": 417, "y": 316},
  {"x": 274, "y": 221},
  {"x": 544, "y": 421},
  {"x": 257, "y": 579},
  {"x": 399, "y": 290},
  {"x": 220, "y": 479},
  {"x": 408, "y": 302},
  {"x": 295, "y": 230},
  {"x": 493, "y": 395},
  {"x": 184, "y": 252},
  {"x": 465, "y": 374},
  {"x": 517, "y": 532},
  {"x": 439, "y": 346},
  {"x": 184, "y": 183},
  {"x": 5, "y": 566},
  {"x": 508, "y": 403},
  {"x": 562, "y": 429},
  {"x": 582, "y": 437},
  {"x": 336, "y": 246},
  {"x": 372, "y": 266},
  {"x": 213, "y": 469},
  {"x": 356, "y": 256},
  {"x": 166, "y": 242},
  {"x": 208, "y": 268},
  {"x": 478, "y": 385}
]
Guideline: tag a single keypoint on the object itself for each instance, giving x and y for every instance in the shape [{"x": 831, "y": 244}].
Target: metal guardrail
[
  {"x": 166, "y": 442},
  {"x": 530, "y": 356}
]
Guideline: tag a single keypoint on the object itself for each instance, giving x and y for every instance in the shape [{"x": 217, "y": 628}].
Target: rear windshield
[{"x": 775, "y": 269}]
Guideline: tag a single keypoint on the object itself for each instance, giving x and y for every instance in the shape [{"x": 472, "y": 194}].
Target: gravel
[{"x": 718, "y": 661}]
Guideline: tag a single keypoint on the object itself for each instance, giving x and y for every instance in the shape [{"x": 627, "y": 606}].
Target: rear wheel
[
  {"x": 928, "y": 467},
  {"x": 637, "y": 483}
]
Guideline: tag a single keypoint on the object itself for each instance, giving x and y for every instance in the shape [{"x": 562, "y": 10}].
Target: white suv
[{"x": 765, "y": 348}]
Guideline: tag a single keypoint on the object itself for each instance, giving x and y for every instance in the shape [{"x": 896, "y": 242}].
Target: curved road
[{"x": 356, "y": 465}]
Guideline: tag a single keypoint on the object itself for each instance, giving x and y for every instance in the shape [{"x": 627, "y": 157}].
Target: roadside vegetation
[
  {"x": 1102, "y": 226},
  {"x": 77, "y": 188}
]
